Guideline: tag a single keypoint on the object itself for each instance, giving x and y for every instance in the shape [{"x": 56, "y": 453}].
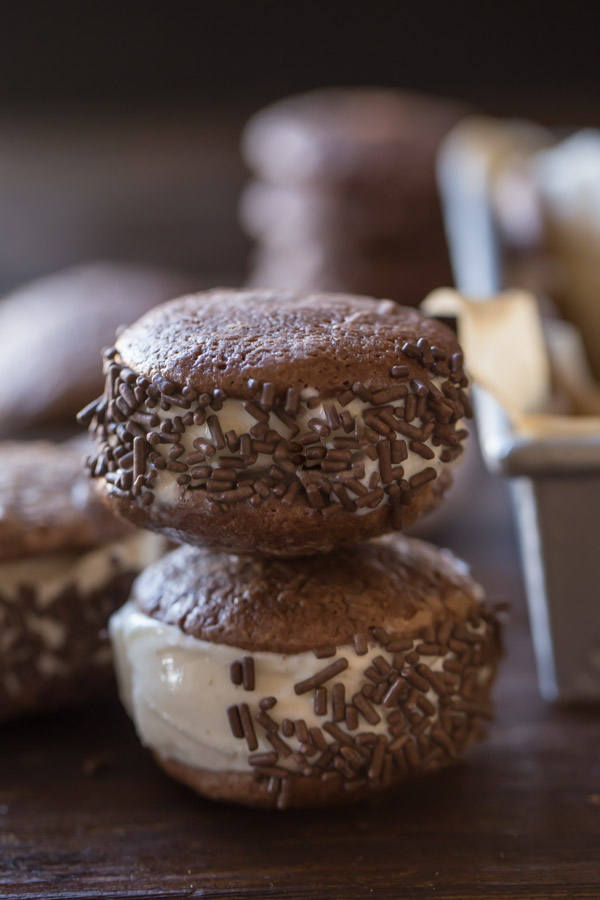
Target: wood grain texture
[{"x": 520, "y": 818}]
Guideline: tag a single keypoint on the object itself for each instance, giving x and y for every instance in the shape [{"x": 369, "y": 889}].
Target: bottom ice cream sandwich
[{"x": 306, "y": 681}]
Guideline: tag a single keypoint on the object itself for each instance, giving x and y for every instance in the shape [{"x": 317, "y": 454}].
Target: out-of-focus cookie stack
[
  {"x": 65, "y": 565},
  {"x": 69, "y": 315},
  {"x": 344, "y": 195}
]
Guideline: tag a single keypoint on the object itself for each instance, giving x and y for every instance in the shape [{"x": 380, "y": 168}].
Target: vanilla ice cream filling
[
  {"x": 48, "y": 576},
  {"x": 177, "y": 689},
  {"x": 233, "y": 417}
]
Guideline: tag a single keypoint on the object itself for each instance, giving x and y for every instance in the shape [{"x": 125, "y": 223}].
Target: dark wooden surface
[{"x": 519, "y": 818}]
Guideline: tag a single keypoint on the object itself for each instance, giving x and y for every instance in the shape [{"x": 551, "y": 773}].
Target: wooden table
[{"x": 520, "y": 818}]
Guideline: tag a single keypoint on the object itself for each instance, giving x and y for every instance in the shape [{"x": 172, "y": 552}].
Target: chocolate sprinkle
[
  {"x": 360, "y": 644},
  {"x": 321, "y": 677},
  {"x": 285, "y": 794},
  {"x": 269, "y": 724},
  {"x": 338, "y": 702},
  {"x": 302, "y": 731},
  {"x": 280, "y": 745},
  {"x": 317, "y": 738},
  {"x": 235, "y": 722},
  {"x": 365, "y": 708},
  {"x": 236, "y": 672},
  {"x": 267, "y": 702},
  {"x": 262, "y": 759},
  {"x": 248, "y": 673},
  {"x": 287, "y": 726},
  {"x": 377, "y": 758},
  {"x": 247, "y": 726},
  {"x": 351, "y": 718},
  {"x": 320, "y": 701}
]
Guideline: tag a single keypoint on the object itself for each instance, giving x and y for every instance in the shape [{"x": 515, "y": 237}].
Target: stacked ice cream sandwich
[{"x": 290, "y": 653}]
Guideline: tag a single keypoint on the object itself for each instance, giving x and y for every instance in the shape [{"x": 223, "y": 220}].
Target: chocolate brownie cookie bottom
[{"x": 306, "y": 682}]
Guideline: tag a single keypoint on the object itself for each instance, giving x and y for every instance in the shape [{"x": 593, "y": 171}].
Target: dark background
[
  {"x": 120, "y": 121},
  {"x": 84, "y": 51}
]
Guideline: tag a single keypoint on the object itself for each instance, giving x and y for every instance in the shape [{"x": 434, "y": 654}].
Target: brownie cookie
[
  {"x": 70, "y": 315},
  {"x": 345, "y": 194},
  {"x": 279, "y": 215},
  {"x": 65, "y": 565},
  {"x": 306, "y": 681},
  {"x": 349, "y": 137},
  {"x": 264, "y": 422},
  {"x": 381, "y": 272}
]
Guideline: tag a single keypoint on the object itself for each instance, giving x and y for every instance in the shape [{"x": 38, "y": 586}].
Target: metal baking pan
[{"x": 554, "y": 481}]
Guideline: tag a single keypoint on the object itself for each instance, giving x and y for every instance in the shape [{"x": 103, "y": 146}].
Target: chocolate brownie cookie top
[
  {"x": 342, "y": 135},
  {"x": 295, "y": 605},
  {"x": 264, "y": 402},
  {"x": 221, "y": 339},
  {"x": 47, "y": 503}
]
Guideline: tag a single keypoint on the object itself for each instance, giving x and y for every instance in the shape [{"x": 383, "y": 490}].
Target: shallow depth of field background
[{"x": 119, "y": 122}]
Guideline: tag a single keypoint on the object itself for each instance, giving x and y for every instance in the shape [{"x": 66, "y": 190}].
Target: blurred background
[{"x": 120, "y": 122}]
